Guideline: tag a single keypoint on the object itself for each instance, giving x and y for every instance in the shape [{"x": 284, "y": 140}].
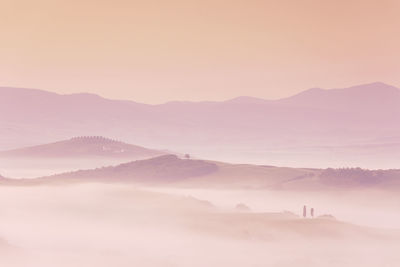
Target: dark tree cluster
[{"x": 93, "y": 139}]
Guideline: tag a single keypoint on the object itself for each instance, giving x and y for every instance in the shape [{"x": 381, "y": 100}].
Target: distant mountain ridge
[
  {"x": 245, "y": 129},
  {"x": 361, "y": 97}
]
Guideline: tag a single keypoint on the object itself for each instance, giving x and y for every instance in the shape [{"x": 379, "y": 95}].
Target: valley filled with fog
[{"x": 99, "y": 224}]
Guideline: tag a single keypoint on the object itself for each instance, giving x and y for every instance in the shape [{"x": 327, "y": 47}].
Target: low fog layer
[
  {"x": 172, "y": 211},
  {"x": 122, "y": 225},
  {"x": 372, "y": 208}
]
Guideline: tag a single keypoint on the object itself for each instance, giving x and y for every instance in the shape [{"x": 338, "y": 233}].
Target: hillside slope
[
  {"x": 83, "y": 147},
  {"x": 170, "y": 170}
]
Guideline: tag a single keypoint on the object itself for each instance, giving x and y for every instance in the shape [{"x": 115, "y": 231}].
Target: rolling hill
[
  {"x": 83, "y": 147},
  {"x": 70, "y": 155},
  {"x": 160, "y": 170},
  {"x": 169, "y": 170}
]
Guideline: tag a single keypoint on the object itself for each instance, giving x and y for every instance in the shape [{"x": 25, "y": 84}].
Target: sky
[{"x": 156, "y": 51}]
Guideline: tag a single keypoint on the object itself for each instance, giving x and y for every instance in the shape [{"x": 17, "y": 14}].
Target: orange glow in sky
[{"x": 155, "y": 51}]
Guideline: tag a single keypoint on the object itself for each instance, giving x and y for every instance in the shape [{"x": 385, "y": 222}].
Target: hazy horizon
[{"x": 65, "y": 93}]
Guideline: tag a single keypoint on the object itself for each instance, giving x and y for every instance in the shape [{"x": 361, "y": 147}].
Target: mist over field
[
  {"x": 177, "y": 211},
  {"x": 123, "y": 225}
]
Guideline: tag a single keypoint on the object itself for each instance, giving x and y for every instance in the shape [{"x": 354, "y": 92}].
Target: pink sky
[{"x": 155, "y": 51}]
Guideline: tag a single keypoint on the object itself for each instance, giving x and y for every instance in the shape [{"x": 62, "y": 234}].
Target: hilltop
[{"x": 83, "y": 147}]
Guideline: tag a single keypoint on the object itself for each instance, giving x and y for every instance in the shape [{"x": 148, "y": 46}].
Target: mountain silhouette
[{"x": 303, "y": 129}]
